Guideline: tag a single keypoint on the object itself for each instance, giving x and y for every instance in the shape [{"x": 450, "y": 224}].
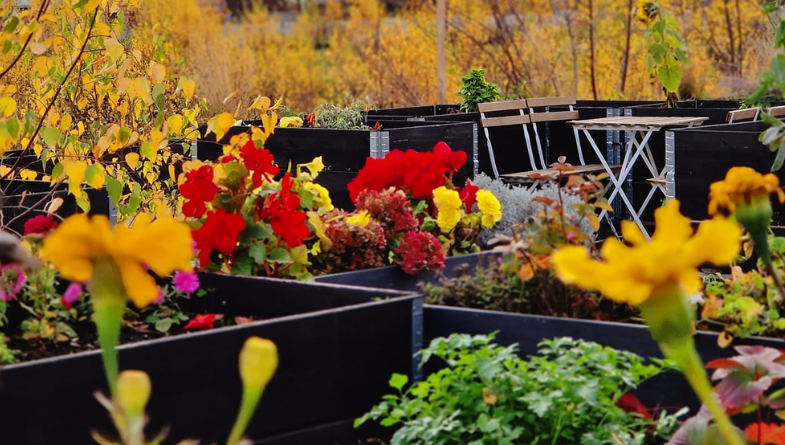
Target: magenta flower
[
  {"x": 71, "y": 294},
  {"x": 12, "y": 281},
  {"x": 186, "y": 282}
]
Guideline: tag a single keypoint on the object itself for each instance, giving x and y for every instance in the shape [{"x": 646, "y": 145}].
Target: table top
[{"x": 637, "y": 122}]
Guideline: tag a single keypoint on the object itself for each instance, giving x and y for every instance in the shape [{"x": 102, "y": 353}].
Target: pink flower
[
  {"x": 201, "y": 322},
  {"x": 40, "y": 225},
  {"x": 12, "y": 281},
  {"x": 71, "y": 294},
  {"x": 419, "y": 251},
  {"x": 186, "y": 282},
  {"x": 161, "y": 296}
]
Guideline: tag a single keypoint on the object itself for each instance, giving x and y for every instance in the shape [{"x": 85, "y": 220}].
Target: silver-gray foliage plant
[{"x": 517, "y": 205}]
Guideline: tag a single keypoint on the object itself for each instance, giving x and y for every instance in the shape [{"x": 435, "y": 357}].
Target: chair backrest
[
  {"x": 519, "y": 105},
  {"x": 750, "y": 114},
  {"x": 552, "y": 116},
  {"x": 776, "y": 111}
]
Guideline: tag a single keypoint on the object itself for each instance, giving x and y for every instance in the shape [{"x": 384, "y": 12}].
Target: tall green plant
[
  {"x": 665, "y": 48},
  {"x": 476, "y": 90}
]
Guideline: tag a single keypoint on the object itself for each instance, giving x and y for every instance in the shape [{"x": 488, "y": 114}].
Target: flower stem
[
  {"x": 247, "y": 408},
  {"x": 761, "y": 244},
  {"x": 108, "y": 297},
  {"x": 683, "y": 352}
]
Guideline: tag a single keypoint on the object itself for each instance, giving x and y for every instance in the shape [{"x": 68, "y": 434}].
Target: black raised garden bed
[
  {"x": 344, "y": 152},
  {"x": 24, "y": 195},
  {"x": 338, "y": 346},
  {"x": 669, "y": 389}
]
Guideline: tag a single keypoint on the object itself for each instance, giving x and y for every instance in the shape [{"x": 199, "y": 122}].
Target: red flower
[
  {"x": 287, "y": 222},
  {"x": 769, "y": 433},
  {"x": 201, "y": 322},
  {"x": 310, "y": 119},
  {"x": 417, "y": 173},
  {"x": 219, "y": 232},
  {"x": 632, "y": 404},
  {"x": 452, "y": 161},
  {"x": 419, "y": 251},
  {"x": 260, "y": 161},
  {"x": 198, "y": 189},
  {"x": 40, "y": 225},
  {"x": 469, "y": 195}
]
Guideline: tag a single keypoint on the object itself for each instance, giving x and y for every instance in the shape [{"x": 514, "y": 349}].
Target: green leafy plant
[
  {"x": 665, "y": 48},
  {"x": 567, "y": 394},
  {"x": 476, "y": 90},
  {"x": 344, "y": 118}
]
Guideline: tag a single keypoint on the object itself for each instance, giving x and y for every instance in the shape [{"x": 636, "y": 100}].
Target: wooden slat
[
  {"x": 553, "y": 116},
  {"x": 657, "y": 180},
  {"x": 636, "y": 122},
  {"x": 776, "y": 111},
  {"x": 740, "y": 115},
  {"x": 502, "y": 106},
  {"x": 579, "y": 170},
  {"x": 505, "y": 120},
  {"x": 550, "y": 101}
]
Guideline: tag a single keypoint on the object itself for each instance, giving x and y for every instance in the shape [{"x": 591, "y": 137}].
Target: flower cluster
[
  {"x": 419, "y": 251},
  {"x": 416, "y": 173},
  {"x": 249, "y": 222},
  {"x": 391, "y": 208},
  {"x": 356, "y": 242}
]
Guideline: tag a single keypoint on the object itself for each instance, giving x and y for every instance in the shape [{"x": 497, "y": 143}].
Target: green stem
[
  {"x": 108, "y": 297},
  {"x": 761, "y": 244},
  {"x": 247, "y": 408},
  {"x": 683, "y": 352}
]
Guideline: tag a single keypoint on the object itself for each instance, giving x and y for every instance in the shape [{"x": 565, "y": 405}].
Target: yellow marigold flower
[
  {"x": 361, "y": 218},
  {"x": 322, "y": 196},
  {"x": 742, "y": 185},
  {"x": 490, "y": 207},
  {"x": 80, "y": 242},
  {"x": 290, "y": 122},
  {"x": 448, "y": 203},
  {"x": 647, "y": 268}
]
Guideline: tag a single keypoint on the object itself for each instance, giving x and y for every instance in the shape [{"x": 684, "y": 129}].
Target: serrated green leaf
[
  {"x": 670, "y": 77},
  {"x": 50, "y": 137},
  {"x": 257, "y": 252},
  {"x": 279, "y": 255},
  {"x": 163, "y": 325},
  {"x": 113, "y": 187}
]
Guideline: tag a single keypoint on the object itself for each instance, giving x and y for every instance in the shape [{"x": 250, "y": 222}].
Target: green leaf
[
  {"x": 113, "y": 187},
  {"x": 257, "y": 252},
  {"x": 771, "y": 120},
  {"x": 279, "y": 255},
  {"x": 50, "y": 136},
  {"x": 670, "y": 77},
  {"x": 83, "y": 203},
  {"x": 12, "y": 125},
  {"x": 778, "y": 160},
  {"x": 243, "y": 264},
  {"x": 299, "y": 255},
  {"x": 254, "y": 231},
  {"x": 147, "y": 150},
  {"x": 163, "y": 325},
  {"x": 398, "y": 381}
]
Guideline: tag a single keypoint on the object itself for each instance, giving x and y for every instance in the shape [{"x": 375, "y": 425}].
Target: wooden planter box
[
  {"x": 344, "y": 152},
  {"x": 338, "y": 346}
]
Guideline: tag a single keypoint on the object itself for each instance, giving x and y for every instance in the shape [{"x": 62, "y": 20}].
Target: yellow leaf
[
  {"x": 175, "y": 124},
  {"x": 132, "y": 159},
  {"x": 125, "y": 85},
  {"x": 37, "y": 48},
  {"x": 724, "y": 339},
  {"x": 261, "y": 103},
  {"x": 54, "y": 204},
  {"x": 604, "y": 206},
  {"x": 221, "y": 124},
  {"x": 75, "y": 171},
  {"x": 114, "y": 48},
  {"x": 7, "y": 106},
  {"x": 157, "y": 72},
  {"x": 28, "y": 175},
  {"x": 96, "y": 180},
  {"x": 171, "y": 171},
  {"x": 594, "y": 221},
  {"x": 189, "y": 87},
  {"x": 488, "y": 396},
  {"x": 142, "y": 88},
  {"x": 65, "y": 122}
]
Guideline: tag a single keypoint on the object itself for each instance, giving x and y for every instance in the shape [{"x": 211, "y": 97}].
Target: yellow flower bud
[
  {"x": 258, "y": 362},
  {"x": 133, "y": 392}
]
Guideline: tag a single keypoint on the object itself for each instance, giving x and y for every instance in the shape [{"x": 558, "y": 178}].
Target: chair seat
[
  {"x": 532, "y": 175},
  {"x": 659, "y": 180}
]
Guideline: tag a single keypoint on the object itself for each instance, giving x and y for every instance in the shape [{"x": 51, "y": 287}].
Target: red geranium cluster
[
  {"x": 198, "y": 189},
  {"x": 260, "y": 161},
  {"x": 40, "y": 225},
  {"x": 419, "y": 251},
  {"x": 417, "y": 173},
  {"x": 287, "y": 221},
  {"x": 219, "y": 232},
  {"x": 391, "y": 208}
]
